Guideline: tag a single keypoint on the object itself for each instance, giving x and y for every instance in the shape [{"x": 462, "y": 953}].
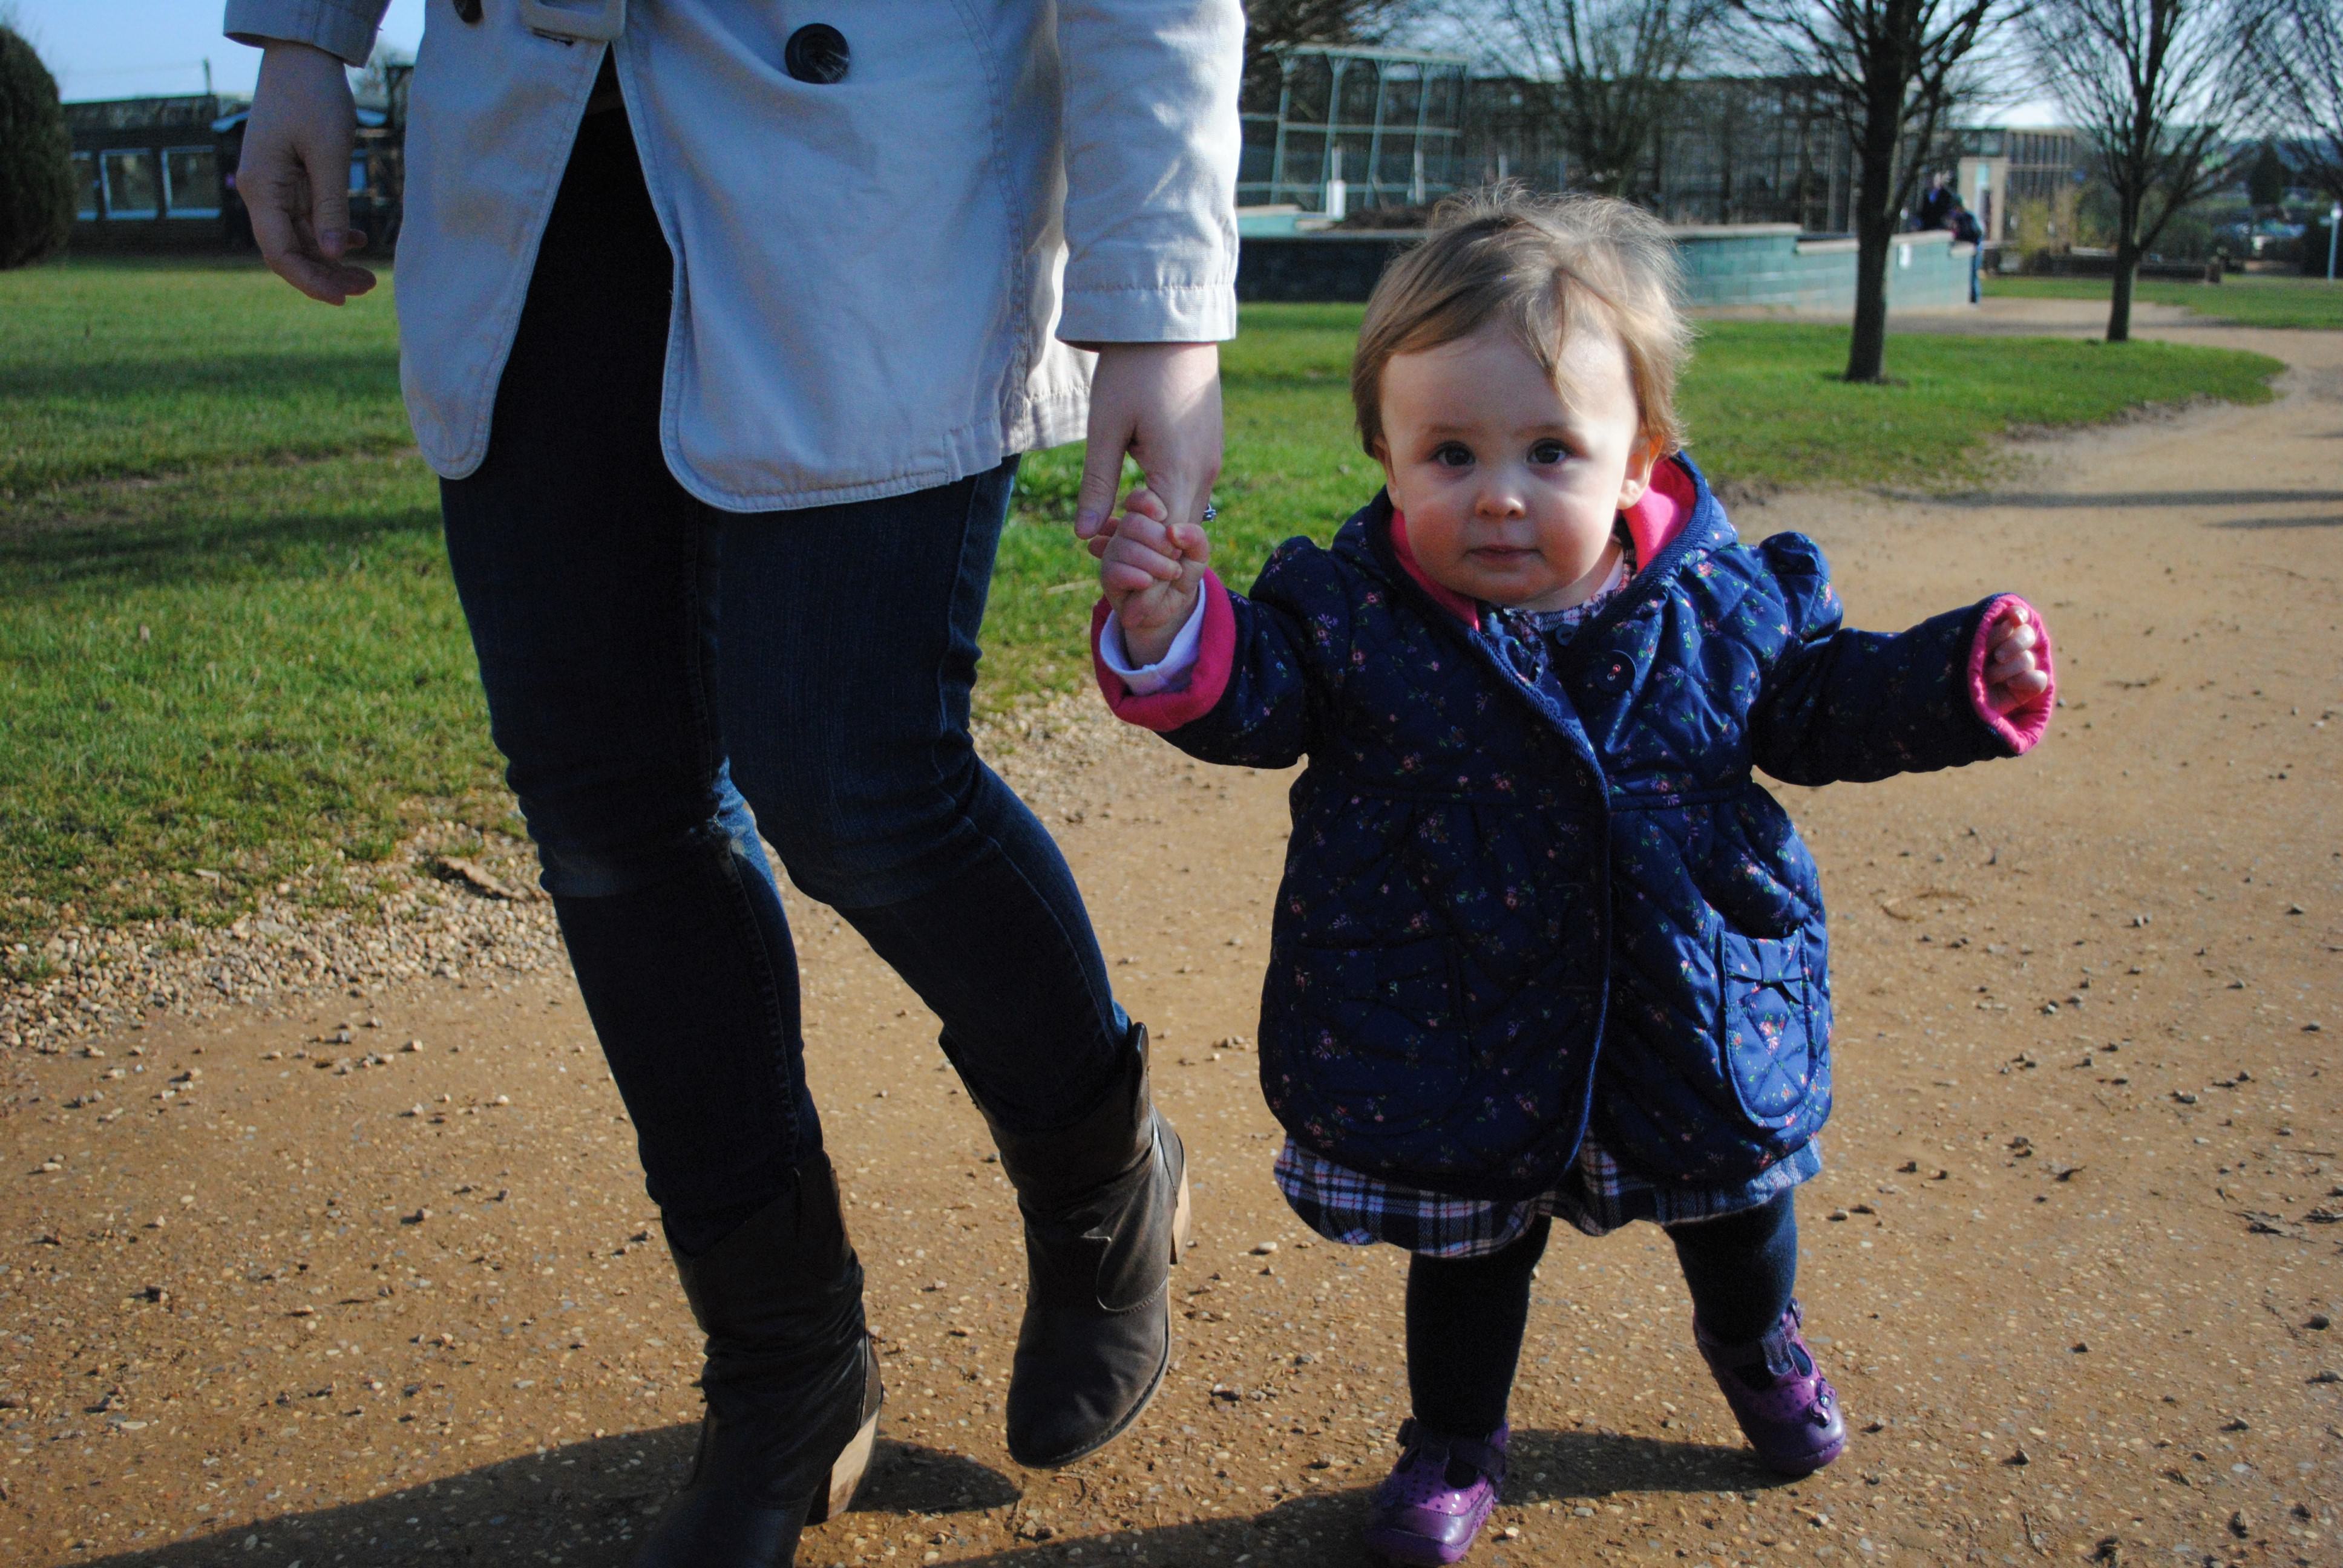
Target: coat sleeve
[
  {"x": 342, "y": 27},
  {"x": 1842, "y": 705},
  {"x": 1268, "y": 669},
  {"x": 1151, "y": 140}
]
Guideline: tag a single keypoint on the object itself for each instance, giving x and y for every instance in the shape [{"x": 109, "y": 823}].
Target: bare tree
[
  {"x": 2151, "y": 83},
  {"x": 1896, "y": 67},
  {"x": 2302, "y": 55},
  {"x": 1271, "y": 24},
  {"x": 1606, "y": 71}
]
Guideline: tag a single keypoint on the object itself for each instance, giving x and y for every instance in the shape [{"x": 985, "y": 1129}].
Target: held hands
[
  {"x": 2013, "y": 676},
  {"x": 1160, "y": 403},
  {"x": 1150, "y": 570},
  {"x": 295, "y": 171}
]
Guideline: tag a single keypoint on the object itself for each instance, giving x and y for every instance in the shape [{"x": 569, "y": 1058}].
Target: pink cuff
[
  {"x": 1215, "y": 656},
  {"x": 2023, "y": 726}
]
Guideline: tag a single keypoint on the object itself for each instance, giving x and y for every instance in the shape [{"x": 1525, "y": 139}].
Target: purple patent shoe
[
  {"x": 1783, "y": 1401},
  {"x": 1431, "y": 1506}
]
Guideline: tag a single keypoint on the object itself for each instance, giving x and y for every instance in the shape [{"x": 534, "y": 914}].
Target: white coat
[{"x": 876, "y": 280}]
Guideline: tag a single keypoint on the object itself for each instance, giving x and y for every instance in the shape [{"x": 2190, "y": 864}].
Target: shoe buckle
[{"x": 575, "y": 20}]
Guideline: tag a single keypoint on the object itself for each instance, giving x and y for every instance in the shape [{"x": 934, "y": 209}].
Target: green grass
[
  {"x": 2248, "y": 300},
  {"x": 231, "y": 655}
]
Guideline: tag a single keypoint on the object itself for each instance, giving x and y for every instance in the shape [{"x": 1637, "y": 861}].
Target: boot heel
[
  {"x": 1182, "y": 1220},
  {"x": 845, "y": 1475},
  {"x": 846, "y": 1472}
]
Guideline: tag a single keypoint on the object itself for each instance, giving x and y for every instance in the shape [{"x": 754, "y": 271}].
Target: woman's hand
[
  {"x": 1160, "y": 402},
  {"x": 2013, "y": 675},
  {"x": 1150, "y": 570},
  {"x": 294, "y": 177}
]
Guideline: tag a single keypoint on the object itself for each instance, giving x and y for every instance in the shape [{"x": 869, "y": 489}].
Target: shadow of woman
[
  {"x": 586, "y": 1505},
  {"x": 582, "y": 1506}
]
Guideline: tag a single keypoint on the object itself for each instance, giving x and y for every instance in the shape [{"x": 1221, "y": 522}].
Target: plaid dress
[{"x": 1598, "y": 1194}]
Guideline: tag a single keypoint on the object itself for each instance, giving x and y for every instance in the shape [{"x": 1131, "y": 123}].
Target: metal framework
[{"x": 1386, "y": 123}]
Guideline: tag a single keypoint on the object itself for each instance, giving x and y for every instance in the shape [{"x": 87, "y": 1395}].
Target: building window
[
  {"x": 191, "y": 182},
  {"x": 131, "y": 189},
  {"x": 86, "y": 203}
]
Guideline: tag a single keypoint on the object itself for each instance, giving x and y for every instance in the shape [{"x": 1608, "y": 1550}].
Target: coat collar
[{"x": 1676, "y": 511}]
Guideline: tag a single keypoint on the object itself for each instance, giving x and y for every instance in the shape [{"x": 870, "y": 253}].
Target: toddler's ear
[{"x": 1641, "y": 458}]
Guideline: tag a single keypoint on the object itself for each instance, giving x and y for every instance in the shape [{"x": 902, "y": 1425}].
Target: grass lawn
[
  {"x": 2248, "y": 300},
  {"x": 231, "y": 655}
]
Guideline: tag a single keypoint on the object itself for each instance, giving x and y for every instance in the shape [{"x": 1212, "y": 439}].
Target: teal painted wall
[
  {"x": 1766, "y": 268},
  {"x": 1759, "y": 266}
]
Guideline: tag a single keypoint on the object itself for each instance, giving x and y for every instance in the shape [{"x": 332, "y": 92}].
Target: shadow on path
[
  {"x": 2095, "y": 499},
  {"x": 586, "y": 1504}
]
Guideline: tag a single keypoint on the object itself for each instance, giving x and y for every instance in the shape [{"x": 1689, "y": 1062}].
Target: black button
[{"x": 817, "y": 53}]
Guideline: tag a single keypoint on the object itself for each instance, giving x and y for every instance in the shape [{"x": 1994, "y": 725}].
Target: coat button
[{"x": 817, "y": 53}]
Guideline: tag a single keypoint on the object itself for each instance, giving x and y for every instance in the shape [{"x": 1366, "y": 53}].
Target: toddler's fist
[
  {"x": 1150, "y": 571},
  {"x": 2014, "y": 675}
]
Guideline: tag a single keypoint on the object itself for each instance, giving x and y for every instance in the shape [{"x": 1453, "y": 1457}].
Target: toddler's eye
[
  {"x": 1548, "y": 452},
  {"x": 1452, "y": 454}
]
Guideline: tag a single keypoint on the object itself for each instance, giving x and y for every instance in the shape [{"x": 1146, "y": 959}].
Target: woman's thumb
[{"x": 1102, "y": 472}]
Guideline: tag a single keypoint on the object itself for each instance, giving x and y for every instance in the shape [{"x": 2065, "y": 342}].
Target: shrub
[{"x": 36, "y": 185}]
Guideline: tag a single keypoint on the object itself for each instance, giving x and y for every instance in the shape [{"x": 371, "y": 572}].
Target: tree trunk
[
  {"x": 1874, "y": 233},
  {"x": 1866, "y": 349},
  {"x": 2128, "y": 249},
  {"x": 2119, "y": 297}
]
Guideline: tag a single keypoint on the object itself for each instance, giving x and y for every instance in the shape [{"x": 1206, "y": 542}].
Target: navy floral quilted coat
[{"x": 1508, "y": 909}]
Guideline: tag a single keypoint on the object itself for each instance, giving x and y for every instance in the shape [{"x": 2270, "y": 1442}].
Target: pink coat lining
[
  {"x": 2022, "y": 728},
  {"x": 1215, "y": 656}
]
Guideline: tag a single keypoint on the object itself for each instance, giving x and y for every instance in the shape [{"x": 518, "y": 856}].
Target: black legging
[{"x": 1465, "y": 1316}]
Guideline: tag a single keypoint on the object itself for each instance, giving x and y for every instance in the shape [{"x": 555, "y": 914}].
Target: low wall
[{"x": 1743, "y": 265}]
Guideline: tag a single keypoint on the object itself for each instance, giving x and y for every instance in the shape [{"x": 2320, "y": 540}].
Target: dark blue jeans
[{"x": 668, "y": 681}]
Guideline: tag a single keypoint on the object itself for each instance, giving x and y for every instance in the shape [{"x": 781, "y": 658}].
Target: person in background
[
  {"x": 1967, "y": 231},
  {"x": 1935, "y": 206},
  {"x": 723, "y": 327}
]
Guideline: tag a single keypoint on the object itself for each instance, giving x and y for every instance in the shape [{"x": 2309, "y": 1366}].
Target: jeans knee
[
  {"x": 857, "y": 839},
  {"x": 608, "y": 854}
]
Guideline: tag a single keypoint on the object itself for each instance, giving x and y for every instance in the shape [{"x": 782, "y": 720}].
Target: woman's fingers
[{"x": 295, "y": 175}]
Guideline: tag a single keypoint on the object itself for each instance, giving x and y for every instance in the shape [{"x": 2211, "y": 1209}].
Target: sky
[{"x": 137, "y": 48}]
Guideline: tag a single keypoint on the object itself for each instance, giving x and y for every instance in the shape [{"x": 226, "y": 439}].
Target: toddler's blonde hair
[{"x": 1546, "y": 267}]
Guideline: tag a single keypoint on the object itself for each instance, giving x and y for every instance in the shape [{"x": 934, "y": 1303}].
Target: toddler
[{"x": 1543, "y": 946}]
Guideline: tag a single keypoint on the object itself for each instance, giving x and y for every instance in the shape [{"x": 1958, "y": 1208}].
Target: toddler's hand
[
  {"x": 1150, "y": 571},
  {"x": 2013, "y": 676}
]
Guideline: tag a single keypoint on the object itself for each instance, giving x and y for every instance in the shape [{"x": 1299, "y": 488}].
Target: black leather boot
[
  {"x": 791, "y": 1385},
  {"x": 1106, "y": 1215}
]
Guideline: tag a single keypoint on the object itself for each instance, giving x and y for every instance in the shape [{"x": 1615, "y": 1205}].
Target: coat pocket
[
  {"x": 1767, "y": 1029},
  {"x": 1380, "y": 1040}
]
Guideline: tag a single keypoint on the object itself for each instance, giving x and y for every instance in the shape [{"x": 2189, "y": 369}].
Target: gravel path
[{"x": 357, "y": 1269}]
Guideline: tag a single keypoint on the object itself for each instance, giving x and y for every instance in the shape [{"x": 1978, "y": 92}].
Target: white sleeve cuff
[
  {"x": 1169, "y": 673},
  {"x": 342, "y": 27}
]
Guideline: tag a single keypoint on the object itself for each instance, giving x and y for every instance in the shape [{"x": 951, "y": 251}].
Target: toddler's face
[{"x": 1509, "y": 490}]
